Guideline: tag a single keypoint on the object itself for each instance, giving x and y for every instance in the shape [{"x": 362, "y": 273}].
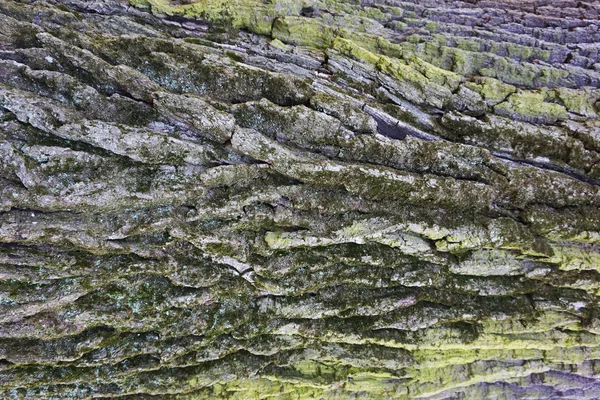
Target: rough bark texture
[{"x": 285, "y": 199}]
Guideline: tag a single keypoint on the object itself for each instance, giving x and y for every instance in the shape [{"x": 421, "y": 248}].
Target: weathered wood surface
[{"x": 283, "y": 199}]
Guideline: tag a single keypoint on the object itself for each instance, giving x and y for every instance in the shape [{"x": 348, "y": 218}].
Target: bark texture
[{"x": 299, "y": 199}]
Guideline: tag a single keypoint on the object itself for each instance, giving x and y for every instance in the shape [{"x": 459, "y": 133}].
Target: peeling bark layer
[{"x": 284, "y": 199}]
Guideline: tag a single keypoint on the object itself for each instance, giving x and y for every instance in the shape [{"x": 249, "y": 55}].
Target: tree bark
[{"x": 316, "y": 199}]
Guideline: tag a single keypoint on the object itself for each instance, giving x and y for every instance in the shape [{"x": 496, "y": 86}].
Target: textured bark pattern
[{"x": 285, "y": 199}]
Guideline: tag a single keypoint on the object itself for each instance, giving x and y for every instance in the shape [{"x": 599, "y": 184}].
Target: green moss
[
  {"x": 400, "y": 26},
  {"x": 431, "y": 26},
  {"x": 397, "y": 11},
  {"x": 419, "y": 81},
  {"x": 304, "y": 32},
  {"x": 579, "y": 101},
  {"x": 351, "y": 49},
  {"x": 435, "y": 380},
  {"x": 158, "y": 6},
  {"x": 234, "y": 56},
  {"x": 238, "y": 14},
  {"x": 492, "y": 90},
  {"x": 530, "y": 106},
  {"x": 280, "y": 45},
  {"x": 467, "y": 62},
  {"x": 436, "y": 75},
  {"x": 374, "y": 13},
  {"x": 467, "y": 44},
  {"x": 575, "y": 257},
  {"x": 222, "y": 249}
]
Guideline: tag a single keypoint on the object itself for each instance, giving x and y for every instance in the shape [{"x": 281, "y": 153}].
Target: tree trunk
[{"x": 299, "y": 199}]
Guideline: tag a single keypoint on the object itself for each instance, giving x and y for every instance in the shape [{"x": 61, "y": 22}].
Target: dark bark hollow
[{"x": 299, "y": 199}]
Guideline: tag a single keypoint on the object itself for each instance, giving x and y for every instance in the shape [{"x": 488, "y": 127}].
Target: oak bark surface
[{"x": 299, "y": 199}]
